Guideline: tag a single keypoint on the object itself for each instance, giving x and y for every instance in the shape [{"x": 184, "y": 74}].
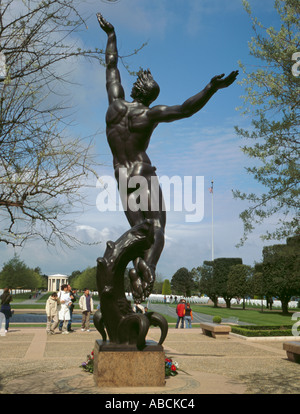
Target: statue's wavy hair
[{"x": 145, "y": 86}]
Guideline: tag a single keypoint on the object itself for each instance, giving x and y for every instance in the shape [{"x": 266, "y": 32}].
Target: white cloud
[{"x": 139, "y": 17}]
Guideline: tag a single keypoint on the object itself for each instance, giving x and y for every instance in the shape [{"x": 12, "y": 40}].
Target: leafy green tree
[
  {"x": 281, "y": 270},
  {"x": 206, "y": 283},
  {"x": 256, "y": 282},
  {"x": 73, "y": 277},
  {"x": 262, "y": 285},
  {"x": 15, "y": 274},
  {"x": 43, "y": 279},
  {"x": 238, "y": 284},
  {"x": 272, "y": 100},
  {"x": 182, "y": 282},
  {"x": 166, "y": 288},
  {"x": 87, "y": 279},
  {"x": 221, "y": 269},
  {"x": 158, "y": 284},
  {"x": 196, "y": 274}
]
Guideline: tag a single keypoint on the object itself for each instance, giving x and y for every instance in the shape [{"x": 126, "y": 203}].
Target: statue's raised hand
[
  {"x": 220, "y": 82},
  {"x": 106, "y": 26}
]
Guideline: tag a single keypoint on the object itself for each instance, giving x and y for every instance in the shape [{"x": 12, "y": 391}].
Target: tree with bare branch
[{"x": 42, "y": 168}]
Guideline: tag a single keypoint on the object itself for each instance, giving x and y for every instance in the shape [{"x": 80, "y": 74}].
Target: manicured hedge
[{"x": 249, "y": 330}]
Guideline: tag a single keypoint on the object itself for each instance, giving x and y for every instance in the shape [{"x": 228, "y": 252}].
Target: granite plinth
[
  {"x": 118, "y": 365},
  {"x": 215, "y": 330},
  {"x": 292, "y": 351}
]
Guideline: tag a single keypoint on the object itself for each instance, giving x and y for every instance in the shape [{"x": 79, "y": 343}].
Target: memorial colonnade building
[{"x": 55, "y": 282}]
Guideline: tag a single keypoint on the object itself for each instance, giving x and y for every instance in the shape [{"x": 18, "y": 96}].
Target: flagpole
[{"x": 212, "y": 220}]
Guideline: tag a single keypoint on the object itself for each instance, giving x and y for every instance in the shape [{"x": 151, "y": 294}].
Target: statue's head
[{"x": 145, "y": 89}]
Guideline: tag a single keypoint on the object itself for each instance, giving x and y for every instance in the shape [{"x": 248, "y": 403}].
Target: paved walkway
[{"x": 33, "y": 363}]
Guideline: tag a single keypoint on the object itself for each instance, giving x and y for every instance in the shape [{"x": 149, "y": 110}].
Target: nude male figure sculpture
[{"x": 129, "y": 129}]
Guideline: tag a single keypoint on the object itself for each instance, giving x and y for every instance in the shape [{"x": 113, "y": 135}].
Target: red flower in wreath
[{"x": 173, "y": 368}]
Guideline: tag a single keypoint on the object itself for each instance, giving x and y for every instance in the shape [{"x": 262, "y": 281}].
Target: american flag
[{"x": 211, "y": 189}]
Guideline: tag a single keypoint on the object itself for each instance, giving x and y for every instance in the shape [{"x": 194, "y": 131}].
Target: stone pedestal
[
  {"x": 125, "y": 366},
  {"x": 292, "y": 351}
]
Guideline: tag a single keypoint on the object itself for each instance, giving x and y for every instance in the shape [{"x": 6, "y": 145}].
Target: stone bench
[
  {"x": 292, "y": 350},
  {"x": 215, "y": 330}
]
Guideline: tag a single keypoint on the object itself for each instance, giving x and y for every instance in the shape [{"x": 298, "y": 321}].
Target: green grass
[
  {"x": 34, "y": 306},
  {"x": 43, "y": 299},
  {"x": 20, "y": 297},
  {"x": 252, "y": 316},
  {"x": 170, "y": 319}
]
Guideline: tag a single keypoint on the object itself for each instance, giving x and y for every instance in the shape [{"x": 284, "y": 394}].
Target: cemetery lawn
[
  {"x": 253, "y": 316},
  {"x": 21, "y": 306}
]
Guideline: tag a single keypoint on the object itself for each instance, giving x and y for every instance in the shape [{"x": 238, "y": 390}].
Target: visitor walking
[
  {"x": 87, "y": 305},
  {"x": 180, "y": 310},
  {"x": 52, "y": 313},
  {"x": 64, "y": 309},
  {"x": 6, "y": 298},
  {"x": 188, "y": 316}
]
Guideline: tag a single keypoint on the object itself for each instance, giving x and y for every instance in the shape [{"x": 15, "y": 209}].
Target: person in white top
[{"x": 64, "y": 310}]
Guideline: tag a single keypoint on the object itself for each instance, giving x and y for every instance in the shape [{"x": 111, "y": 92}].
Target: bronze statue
[{"x": 129, "y": 129}]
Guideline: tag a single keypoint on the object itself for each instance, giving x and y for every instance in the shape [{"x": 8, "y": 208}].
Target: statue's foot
[{"x": 142, "y": 279}]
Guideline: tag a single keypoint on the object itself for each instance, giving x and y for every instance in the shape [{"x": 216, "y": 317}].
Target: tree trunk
[
  {"x": 228, "y": 302},
  {"x": 215, "y": 301},
  {"x": 284, "y": 305}
]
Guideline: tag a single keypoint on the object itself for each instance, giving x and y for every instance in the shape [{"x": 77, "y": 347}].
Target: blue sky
[{"x": 189, "y": 42}]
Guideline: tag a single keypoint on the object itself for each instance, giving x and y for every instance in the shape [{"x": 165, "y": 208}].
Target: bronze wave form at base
[{"x": 117, "y": 320}]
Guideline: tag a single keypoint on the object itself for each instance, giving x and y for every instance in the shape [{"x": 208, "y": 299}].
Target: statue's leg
[
  {"x": 143, "y": 276},
  {"x": 158, "y": 216}
]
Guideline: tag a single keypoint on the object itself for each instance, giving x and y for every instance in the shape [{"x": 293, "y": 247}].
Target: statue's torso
[{"x": 128, "y": 133}]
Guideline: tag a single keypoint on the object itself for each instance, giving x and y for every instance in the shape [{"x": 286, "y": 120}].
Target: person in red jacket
[{"x": 180, "y": 310}]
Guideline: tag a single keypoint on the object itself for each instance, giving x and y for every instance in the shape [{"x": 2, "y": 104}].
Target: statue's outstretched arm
[
  {"x": 113, "y": 78},
  {"x": 161, "y": 113}
]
